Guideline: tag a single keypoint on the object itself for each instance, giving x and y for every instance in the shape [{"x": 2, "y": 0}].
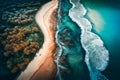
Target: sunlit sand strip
[
  {"x": 48, "y": 44},
  {"x": 47, "y": 71}
]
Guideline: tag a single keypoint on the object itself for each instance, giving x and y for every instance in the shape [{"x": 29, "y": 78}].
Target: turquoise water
[
  {"x": 97, "y": 56},
  {"x": 104, "y": 19},
  {"x": 109, "y": 32},
  {"x": 68, "y": 39}
]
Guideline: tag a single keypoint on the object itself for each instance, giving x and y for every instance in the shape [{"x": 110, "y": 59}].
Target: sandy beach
[{"x": 42, "y": 67}]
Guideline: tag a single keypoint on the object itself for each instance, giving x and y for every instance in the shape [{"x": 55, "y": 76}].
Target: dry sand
[{"x": 42, "y": 67}]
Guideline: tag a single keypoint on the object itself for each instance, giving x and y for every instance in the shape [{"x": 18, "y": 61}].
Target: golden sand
[{"x": 43, "y": 67}]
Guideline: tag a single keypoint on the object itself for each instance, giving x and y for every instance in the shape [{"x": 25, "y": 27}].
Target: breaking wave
[{"x": 97, "y": 56}]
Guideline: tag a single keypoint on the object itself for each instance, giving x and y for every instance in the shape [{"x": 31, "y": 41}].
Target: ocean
[
  {"x": 81, "y": 55},
  {"x": 105, "y": 18},
  {"x": 72, "y": 65},
  {"x": 103, "y": 22}
]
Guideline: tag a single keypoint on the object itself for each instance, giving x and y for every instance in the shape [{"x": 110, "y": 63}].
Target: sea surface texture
[{"x": 82, "y": 53}]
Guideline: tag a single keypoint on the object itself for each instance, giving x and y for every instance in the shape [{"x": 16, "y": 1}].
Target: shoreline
[{"x": 45, "y": 55}]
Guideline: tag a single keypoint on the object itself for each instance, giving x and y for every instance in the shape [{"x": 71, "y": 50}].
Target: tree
[{"x": 21, "y": 50}]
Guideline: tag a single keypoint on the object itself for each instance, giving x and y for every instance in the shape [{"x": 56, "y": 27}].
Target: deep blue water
[{"x": 109, "y": 31}]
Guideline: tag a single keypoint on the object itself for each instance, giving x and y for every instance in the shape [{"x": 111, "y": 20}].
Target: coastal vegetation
[
  {"x": 20, "y": 38},
  {"x": 18, "y": 50}
]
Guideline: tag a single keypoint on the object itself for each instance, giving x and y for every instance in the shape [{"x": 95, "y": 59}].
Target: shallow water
[
  {"x": 68, "y": 38},
  {"x": 99, "y": 19}
]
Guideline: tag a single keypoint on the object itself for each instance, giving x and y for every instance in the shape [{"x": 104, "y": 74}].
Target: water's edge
[{"x": 97, "y": 56}]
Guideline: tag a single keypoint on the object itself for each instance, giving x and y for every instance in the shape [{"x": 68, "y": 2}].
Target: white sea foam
[
  {"x": 97, "y": 56},
  {"x": 57, "y": 60}
]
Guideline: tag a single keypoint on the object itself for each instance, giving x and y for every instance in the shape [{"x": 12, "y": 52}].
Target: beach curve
[{"x": 45, "y": 53}]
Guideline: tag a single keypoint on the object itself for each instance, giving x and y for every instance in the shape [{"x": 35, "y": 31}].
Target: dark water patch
[{"x": 107, "y": 3}]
